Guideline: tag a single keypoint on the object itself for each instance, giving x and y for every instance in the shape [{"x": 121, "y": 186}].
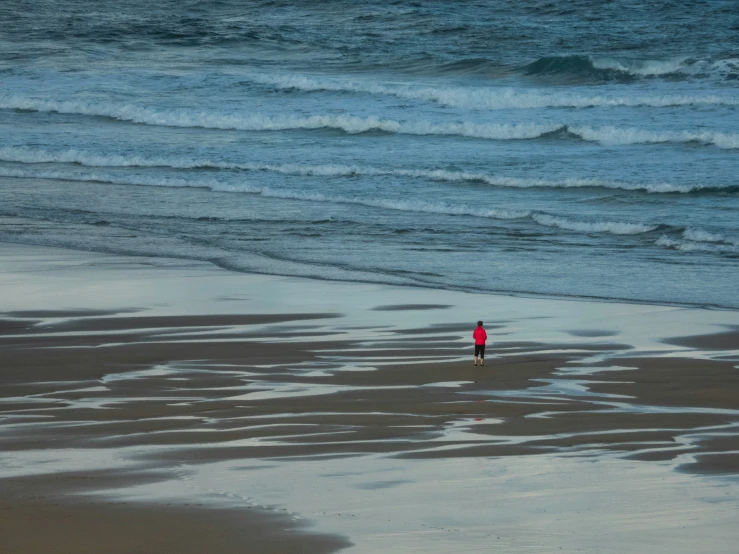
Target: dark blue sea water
[{"x": 576, "y": 148}]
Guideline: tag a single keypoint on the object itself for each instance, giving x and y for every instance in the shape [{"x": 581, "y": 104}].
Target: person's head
[{"x": 479, "y": 323}]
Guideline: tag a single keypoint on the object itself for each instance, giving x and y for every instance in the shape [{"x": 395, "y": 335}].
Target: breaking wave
[
  {"x": 495, "y": 98},
  {"x": 618, "y": 136},
  {"x": 616, "y": 228},
  {"x": 628, "y": 69},
  {"x": 261, "y": 122},
  {"x": 699, "y": 235},
  {"x": 606, "y": 68},
  {"x": 355, "y": 124},
  {"x": 700, "y": 240},
  {"x": 697, "y": 246},
  {"x": 415, "y": 206},
  {"x": 30, "y": 155}
]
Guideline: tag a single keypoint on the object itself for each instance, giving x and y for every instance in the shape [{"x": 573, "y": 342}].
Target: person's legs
[
  {"x": 482, "y": 354},
  {"x": 477, "y": 352}
]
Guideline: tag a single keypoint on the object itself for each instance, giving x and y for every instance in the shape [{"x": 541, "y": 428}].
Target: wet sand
[
  {"x": 170, "y": 403},
  {"x": 90, "y": 527}
]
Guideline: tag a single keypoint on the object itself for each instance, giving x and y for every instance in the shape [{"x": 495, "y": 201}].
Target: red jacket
[{"x": 479, "y": 335}]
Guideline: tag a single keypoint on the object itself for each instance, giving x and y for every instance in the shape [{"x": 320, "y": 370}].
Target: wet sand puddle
[{"x": 451, "y": 468}]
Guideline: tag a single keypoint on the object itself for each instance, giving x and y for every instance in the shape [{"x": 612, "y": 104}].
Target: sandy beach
[
  {"x": 244, "y": 247},
  {"x": 154, "y": 405}
]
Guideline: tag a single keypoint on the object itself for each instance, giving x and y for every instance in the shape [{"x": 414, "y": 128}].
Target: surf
[
  {"x": 31, "y": 155},
  {"x": 403, "y": 205},
  {"x": 486, "y": 97}
]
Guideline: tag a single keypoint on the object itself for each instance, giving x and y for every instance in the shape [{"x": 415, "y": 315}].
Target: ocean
[{"x": 583, "y": 149}]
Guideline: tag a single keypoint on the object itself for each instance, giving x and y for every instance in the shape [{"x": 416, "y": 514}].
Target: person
[{"x": 480, "y": 337}]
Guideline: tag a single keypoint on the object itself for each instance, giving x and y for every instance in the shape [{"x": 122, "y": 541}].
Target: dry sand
[{"x": 118, "y": 376}]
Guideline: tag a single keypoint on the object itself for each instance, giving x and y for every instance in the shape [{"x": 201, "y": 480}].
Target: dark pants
[{"x": 480, "y": 351}]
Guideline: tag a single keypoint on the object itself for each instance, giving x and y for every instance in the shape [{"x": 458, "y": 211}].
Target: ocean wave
[
  {"x": 136, "y": 180},
  {"x": 354, "y": 124},
  {"x": 621, "y": 68},
  {"x": 414, "y": 206},
  {"x": 641, "y": 68},
  {"x": 220, "y": 186},
  {"x": 418, "y": 206},
  {"x": 199, "y": 118},
  {"x": 697, "y": 246},
  {"x": 261, "y": 122},
  {"x": 622, "y": 136},
  {"x": 32, "y": 155},
  {"x": 574, "y": 67},
  {"x": 699, "y": 235},
  {"x": 613, "y": 227},
  {"x": 494, "y": 98},
  {"x": 700, "y": 240},
  {"x": 606, "y": 68}
]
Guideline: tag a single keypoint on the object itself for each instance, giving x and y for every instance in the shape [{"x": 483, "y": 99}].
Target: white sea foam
[
  {"x": 355, "y": 124},
  {"x": 642, "y": 68},
  {"x": 138, "y": 180},
  {"x": 488, "y": 97},
  {"x": 699, "y": 235},
  {"x": 613, "y": 227},
  {"x": 219, "y": 186},
  {"x": 31, "y": 155},
  {"x": 607, "y": 67},
  {"x": 621, "y": 135},
  {"x": 262, "y": 122},
  {"x": 415, "y": 206},
  {"x": 696, "y": 246},
  {"x": 721, "y": 69}
]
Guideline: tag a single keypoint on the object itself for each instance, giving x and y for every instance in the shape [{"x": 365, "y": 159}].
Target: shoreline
[
  {"x": 186, "y": 378},
  {"x": 529, "y": 295}
]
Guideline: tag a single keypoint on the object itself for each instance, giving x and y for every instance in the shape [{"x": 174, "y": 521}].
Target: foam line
[
  {"x": 696, "y": 246},
  {"x": 32, "y": 155},
  {"x": 354, "y": 124},
  {"x": 493, "y": 98},
  {"x": 260, "y": 122},
  {"x": 699, "y": 235},
  {"x": 620, "y": 135},
  {"x": 611, "y": 67},
  {"x": 415, "y": 206},
  {"x": 616, "y": 228}
]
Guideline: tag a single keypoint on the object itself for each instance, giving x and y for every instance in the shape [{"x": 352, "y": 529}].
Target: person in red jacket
[{"x": 480, "y": 337}]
